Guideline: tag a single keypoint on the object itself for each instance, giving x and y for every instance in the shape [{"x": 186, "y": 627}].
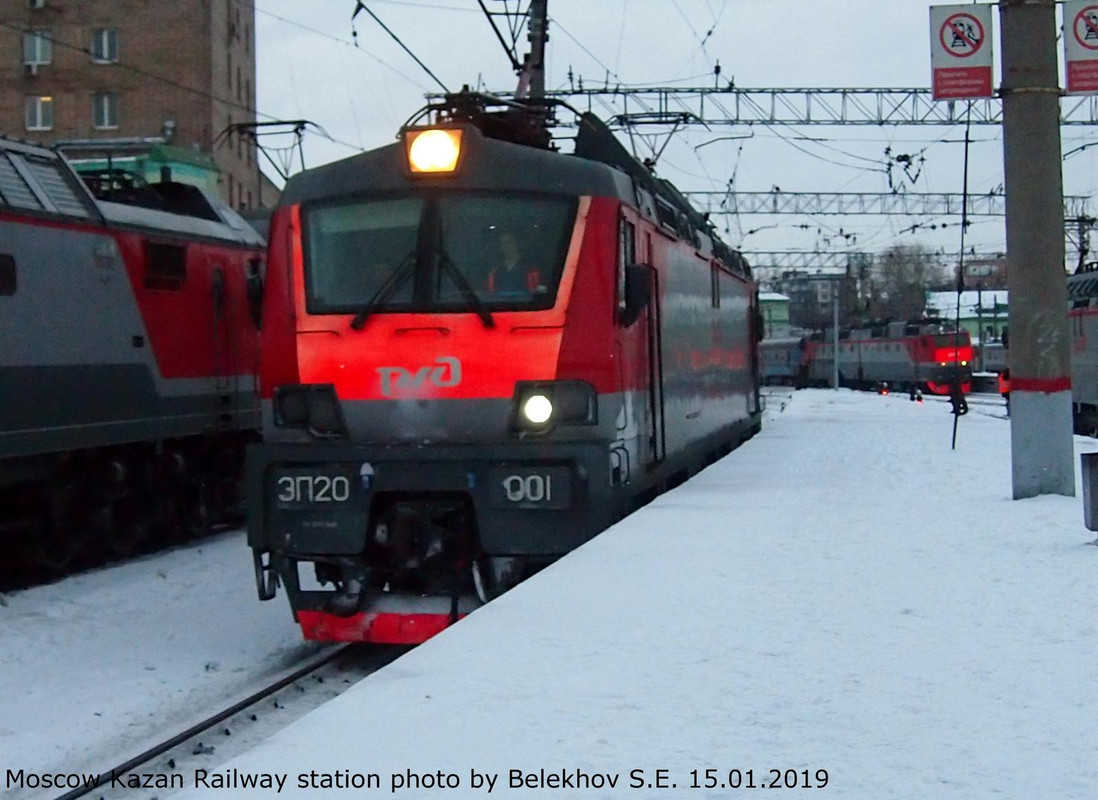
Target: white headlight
[{"x": 537, "y": 409}]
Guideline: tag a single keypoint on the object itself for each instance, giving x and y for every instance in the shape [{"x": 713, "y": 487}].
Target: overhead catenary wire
[
  {"x": 345, "y": 42},
  {"x": 360, "y": 6}
]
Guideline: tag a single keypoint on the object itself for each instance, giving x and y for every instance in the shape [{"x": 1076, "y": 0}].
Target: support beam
[
  {"x": 1042, "y": 455},
  {"x": 716, "y": 106},
  {"x": 763, "y": 262},
  {"x": 907, "y": 204}
]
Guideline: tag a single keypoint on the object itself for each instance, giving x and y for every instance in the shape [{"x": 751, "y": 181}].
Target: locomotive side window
[
  {"x": 627, "y": 254},
  {"x": 165, "y": 266},
  {"x": 7, "y": 275}
]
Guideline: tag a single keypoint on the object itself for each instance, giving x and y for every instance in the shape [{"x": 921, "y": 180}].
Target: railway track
[{"x": 235, "y": 729}]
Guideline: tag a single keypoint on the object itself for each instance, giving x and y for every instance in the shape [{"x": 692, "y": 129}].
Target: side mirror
[
  {"x": 760, "y": 326},
  {"x": 254, "y": 291},
  {"x": 638, "y": 292}
]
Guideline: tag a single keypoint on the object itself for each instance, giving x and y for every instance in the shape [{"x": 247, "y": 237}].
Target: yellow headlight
[{"x": 435, "y": 150}]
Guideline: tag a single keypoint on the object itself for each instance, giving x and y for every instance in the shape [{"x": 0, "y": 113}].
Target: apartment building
[{"x": 141, "y": 84}]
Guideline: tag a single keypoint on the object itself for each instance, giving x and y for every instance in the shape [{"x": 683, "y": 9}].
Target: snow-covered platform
[
  {"x": 842, "y": 598},
  {"x": 102, "y": 665},
  {"x": 842, "y": 594}
]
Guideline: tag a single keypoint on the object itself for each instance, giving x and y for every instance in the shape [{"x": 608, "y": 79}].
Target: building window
[
  {"x": 37, "y": 47},
  {"x": 238, "y": 98},
  {"x": 39, "y": 113},
  {"x": 104, "y": 45},
  {"x": 105, "y": 111},
  {"x": 229, "y": 71}
]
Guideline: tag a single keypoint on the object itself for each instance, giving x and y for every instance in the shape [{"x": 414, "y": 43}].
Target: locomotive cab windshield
[{"x": 436, "y": 252}]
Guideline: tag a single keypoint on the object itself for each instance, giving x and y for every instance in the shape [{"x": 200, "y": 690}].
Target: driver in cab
[{"x": 512, "y": 275}]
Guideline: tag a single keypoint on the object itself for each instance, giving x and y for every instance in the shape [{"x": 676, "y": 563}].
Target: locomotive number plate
[
  {"x": 311, "y": 487},
  {"x": 530, "y": 487}
]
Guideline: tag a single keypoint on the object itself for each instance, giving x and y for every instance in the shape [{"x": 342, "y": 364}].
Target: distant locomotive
[
  {"x": 904, "y": 355},
  {"x": 1083, "y": 318},
  {"x": 128, "y": 354},
  {"x": 782, "y": 361},
  {"x": 477, "y": 354}
]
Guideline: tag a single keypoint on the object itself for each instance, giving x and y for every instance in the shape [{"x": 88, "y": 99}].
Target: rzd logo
[{"x": 446, "y": 373}]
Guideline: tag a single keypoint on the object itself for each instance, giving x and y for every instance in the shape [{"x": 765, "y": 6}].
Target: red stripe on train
[
  {"x": 1046, "y": 385},
  {"x": 377, "y": 628}
]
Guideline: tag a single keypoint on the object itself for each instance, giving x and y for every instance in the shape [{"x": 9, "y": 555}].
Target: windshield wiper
[
  {"x": 397, "y": 278},
  {"x": 467, "y": 292}
]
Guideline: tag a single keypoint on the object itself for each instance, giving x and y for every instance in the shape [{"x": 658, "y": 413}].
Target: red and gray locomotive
[
  {"x": 904, "y": 355},
  {"x": 477, "y": 354},
  {"x": 1083, "y": 318},
  {"x": 128, "y": 355}
]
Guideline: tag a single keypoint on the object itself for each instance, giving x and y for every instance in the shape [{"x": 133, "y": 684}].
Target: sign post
[
  {"x": 1042, "y": 454},
  {"x": 960, "y": 51},
  {"x": 1081, "y": 46}
]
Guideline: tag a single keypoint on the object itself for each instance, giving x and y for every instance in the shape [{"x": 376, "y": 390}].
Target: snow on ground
[
  {"x": 101, "y": 664},
  {"x": 843, "y": 593}
]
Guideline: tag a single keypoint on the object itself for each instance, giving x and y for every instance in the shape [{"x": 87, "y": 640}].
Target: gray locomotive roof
[
  {"x": 232, "y": 228},
  {"x": 485, "y": 164},
  {"x": 39, "y": 180}
]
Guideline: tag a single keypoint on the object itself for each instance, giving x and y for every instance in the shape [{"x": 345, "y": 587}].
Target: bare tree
[{"x": 899, "y": 280}]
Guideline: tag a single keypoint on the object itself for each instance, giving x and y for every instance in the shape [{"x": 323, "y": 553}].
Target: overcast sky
[{"x": 310, "y": 68}]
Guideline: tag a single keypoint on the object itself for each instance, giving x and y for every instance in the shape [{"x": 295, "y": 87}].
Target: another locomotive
[
  {"x": 128, "y": 353},
  {"x": 905, "y": 355},
  {"x": 477, "y": 354},
  {"x": 1083, "y": 318}
]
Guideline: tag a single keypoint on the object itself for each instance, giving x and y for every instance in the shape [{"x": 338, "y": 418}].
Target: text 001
[{"x": 531, "y": 487}]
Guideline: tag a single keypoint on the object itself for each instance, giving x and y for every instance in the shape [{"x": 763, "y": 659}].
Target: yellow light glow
[{"x": 435, "y": 150}]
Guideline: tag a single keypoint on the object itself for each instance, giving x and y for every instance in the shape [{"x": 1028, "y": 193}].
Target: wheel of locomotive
[
  {"x": 55, "y": 548},
  {"x": 132, "y": 527},
  {"x": 64, "y": 532},
  {"x": 197, "y": 512}
]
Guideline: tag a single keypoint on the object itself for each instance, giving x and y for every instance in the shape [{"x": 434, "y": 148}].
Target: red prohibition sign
[
  {"x": 1089, "y": 19},
  {"x": 957, "y": 29}
]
